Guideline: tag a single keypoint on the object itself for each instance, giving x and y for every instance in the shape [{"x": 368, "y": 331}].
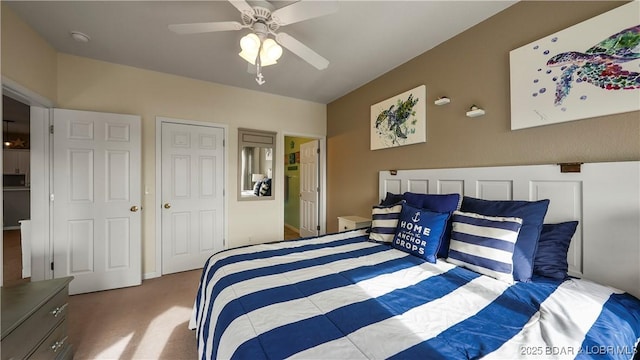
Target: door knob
[
  {"x": 167, "y": 206},
  {"x": 134, "y": 208}
]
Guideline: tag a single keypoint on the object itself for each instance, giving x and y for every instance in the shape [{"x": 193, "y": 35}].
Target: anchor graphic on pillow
[{"x": 416, "y": 217}]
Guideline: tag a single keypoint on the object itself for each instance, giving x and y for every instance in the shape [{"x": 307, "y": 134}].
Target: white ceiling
[{"x": 362, "y": 40}]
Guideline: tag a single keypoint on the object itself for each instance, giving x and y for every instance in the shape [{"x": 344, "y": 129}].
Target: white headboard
[{"x": 604, "y": 197}]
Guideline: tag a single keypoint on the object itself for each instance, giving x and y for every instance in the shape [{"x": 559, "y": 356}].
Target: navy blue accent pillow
[
  {"x": 440, "y": 203},
  {"x": 419, "y": 232},
  {"x": 532, "y": 214},
  {"x": 551, "y": 257},
  {"x": 391, "y": 199},
  {"x": 265, "y": 188},
  {"x": 434, "y": 202}
]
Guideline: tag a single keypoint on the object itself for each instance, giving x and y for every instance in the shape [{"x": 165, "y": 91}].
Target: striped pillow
[
  {"x": 484, "y": 244},
  {"x": 384, "y": 220}
]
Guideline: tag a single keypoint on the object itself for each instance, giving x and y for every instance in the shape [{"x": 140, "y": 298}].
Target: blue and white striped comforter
[{"x": 342, "y": 297}]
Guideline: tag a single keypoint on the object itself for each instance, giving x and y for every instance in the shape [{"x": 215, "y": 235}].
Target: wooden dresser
[{"x": 34, "y": 320}]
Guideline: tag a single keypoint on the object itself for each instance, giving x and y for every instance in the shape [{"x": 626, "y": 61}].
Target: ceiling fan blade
[
  {"x": 196, "y": 28},
  {"x": 304, "y": 10},
  {"x": 242, "y": 6},
  {"x": 302, "y": 50}
]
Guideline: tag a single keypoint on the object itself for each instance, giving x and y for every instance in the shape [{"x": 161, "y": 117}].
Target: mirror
[{"x": 256, "y": 165}]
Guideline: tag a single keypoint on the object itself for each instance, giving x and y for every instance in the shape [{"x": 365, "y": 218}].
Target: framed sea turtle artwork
[
  {"x": 588, "y": 70},
  {"x": 400, "y": 120}
]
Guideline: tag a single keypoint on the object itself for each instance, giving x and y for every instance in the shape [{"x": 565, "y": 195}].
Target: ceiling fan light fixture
[
  {"x": 264, "y": 20},
  {"x": 250, "y": 43},
  {"x": 250, "y": 57},
  {"x": 270, "y": 50}
]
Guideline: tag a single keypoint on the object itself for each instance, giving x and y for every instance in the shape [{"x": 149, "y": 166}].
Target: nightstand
[{"x": 346, "y": 223}]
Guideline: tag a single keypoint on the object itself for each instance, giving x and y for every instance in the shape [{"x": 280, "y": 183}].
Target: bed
[{"x": 354, "y": 295}]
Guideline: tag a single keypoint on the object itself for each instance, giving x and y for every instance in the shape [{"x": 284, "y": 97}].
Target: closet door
[{"x": 192, "y": 195}]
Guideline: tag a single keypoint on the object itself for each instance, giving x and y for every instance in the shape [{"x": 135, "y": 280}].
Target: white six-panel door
[
  {"x": 96, "y": 207},
  {"x": 309, "y": 188},
  {"x": 192, "y": 195}
]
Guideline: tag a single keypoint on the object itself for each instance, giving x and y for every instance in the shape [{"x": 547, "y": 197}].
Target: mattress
[{"x": 342, "y": 296}]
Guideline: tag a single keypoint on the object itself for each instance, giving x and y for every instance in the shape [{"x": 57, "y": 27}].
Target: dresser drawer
[
  {"x": 55, "y": 346},
  {"x": 24, "y": 338}
]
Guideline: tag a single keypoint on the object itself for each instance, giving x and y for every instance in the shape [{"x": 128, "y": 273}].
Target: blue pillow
[
  {"x": 265, "y": 188},
  {"x": 434, "y": 202},
  {"x": 484, "y": 244},
  {"x": 551, "y": 257},
  {"x": 419, "y": 232},
  {"x": 440, "y": 203},
  {"x": 532, "y": 214},
  {"x": 384, "y": 220},
  {"x": 391, "y": 199}
]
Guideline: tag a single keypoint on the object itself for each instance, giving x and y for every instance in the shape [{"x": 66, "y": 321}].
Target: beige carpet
[{"x": 142, "y": 322}]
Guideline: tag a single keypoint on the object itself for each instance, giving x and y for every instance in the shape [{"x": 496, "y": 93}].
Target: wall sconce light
[
  {"x": 475, "y": 111},
  {"x": 443, "y": 100}
]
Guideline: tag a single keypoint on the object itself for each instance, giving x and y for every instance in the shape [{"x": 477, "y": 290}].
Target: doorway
[
  {"x": 16, "y": 191},
  {"x": 295, "y": 194}
]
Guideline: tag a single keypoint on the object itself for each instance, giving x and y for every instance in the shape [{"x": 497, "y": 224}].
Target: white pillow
[
  {"x": 484, "y": 244},
  {"x": 384, "y": 220}
]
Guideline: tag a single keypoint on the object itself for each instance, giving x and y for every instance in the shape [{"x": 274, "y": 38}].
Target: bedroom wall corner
[
  {"x": 471, "y": 68},
  {"x": 27, "y": 58}
]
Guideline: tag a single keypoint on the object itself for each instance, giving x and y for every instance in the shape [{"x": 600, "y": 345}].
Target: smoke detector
[{"x": 80, "y": 37}]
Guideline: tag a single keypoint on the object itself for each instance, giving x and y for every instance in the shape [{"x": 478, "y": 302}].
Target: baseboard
[
  {"x": 150, "y": 275},
  {"x": 290, "y": 227}
]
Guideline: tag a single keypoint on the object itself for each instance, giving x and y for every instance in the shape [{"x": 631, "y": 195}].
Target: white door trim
[
  {"x": 41, "y": 189},
  {"x": 158, "y": 185},
  {"x": 20, "y": 93},
  {"x": 322, "y": 176}
]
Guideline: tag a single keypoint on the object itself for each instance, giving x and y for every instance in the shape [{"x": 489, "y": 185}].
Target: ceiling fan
[{"x": 257, "y": 47}]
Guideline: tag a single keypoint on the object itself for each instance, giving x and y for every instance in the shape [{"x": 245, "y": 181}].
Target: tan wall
[
  {"x": 85, "y": 84},
  {"x": 472, "y": 68},
  {"x": 26, "y": 57}
]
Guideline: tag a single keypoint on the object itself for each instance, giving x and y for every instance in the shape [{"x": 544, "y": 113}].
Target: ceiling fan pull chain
[{"x": 259, "y": 78}]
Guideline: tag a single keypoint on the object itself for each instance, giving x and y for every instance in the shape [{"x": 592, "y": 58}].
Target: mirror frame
[{"x": 261, "y": 139}]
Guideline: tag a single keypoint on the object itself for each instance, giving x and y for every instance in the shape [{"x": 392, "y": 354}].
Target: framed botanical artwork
[
  {"x": 400, "y": 120},
  {"x": 587, "y": 70}
]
